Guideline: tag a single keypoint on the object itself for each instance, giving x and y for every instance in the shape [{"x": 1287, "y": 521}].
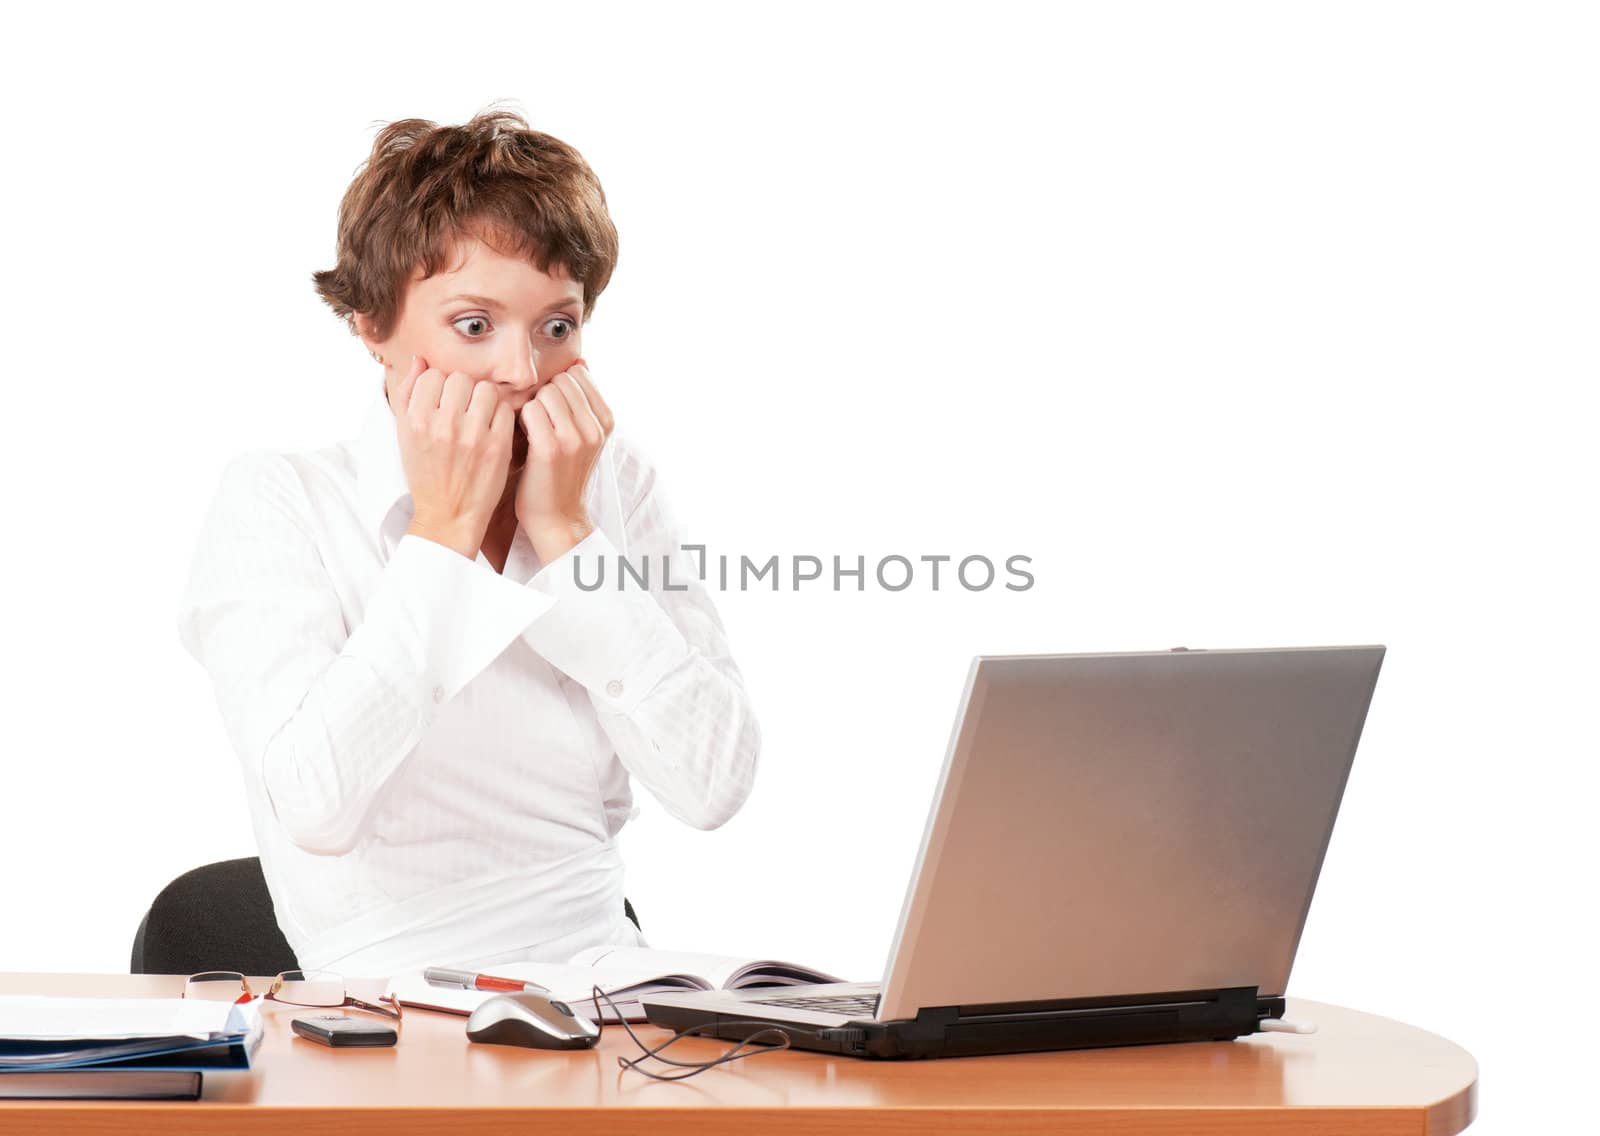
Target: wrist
[{"x": 553, "y": 537}]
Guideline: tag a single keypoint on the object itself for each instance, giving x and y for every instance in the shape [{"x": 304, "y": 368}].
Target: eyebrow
[{"x": 495, "y": 305}]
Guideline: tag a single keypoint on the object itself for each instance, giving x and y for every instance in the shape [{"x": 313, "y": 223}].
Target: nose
[{"x": 519, "y": 371}]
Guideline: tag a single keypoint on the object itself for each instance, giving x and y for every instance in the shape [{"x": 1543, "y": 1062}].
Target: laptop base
[{"x": 1010, "y": 1027}]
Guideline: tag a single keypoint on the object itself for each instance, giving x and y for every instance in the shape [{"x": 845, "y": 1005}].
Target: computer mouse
[{"x": 531, "y": 1020}]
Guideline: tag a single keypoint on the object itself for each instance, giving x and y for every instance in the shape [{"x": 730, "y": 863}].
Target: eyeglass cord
[{"x": 698, "y": 1067}]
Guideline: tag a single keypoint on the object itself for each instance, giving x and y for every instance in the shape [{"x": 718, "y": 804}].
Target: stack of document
[{"x": 120, "y": 1047}]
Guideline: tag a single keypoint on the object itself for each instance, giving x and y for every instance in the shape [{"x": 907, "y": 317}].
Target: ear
[{"x": 365, "y": 329}]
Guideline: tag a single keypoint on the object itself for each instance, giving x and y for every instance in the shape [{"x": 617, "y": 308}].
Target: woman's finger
[
  {"x": 402, "y": 394},
  {"x": 537, "y": 425},
  {"x": 457, "y": 393},
  {"x": 555, "y": 403},
  {"x": 425, "y": 396},
  {"x": 504, "y": 422},
  {"x": 482, "y": 404},
  {"x": 602, "y": 412},
  {"x": 583, "y": 415}
]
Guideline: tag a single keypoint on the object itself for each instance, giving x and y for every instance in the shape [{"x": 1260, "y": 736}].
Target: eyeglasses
[{"x": 320, "y": 988}]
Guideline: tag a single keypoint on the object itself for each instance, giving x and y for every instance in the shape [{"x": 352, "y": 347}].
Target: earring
[{"x": 375, "y": 355}]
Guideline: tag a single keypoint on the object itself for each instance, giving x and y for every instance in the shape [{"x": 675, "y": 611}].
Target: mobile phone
[{"x": 343, "y": 1030}]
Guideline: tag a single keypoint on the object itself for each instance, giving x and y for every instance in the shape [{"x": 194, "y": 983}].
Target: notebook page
[
  {"x": 715, "y": 969},
  {"x": 722, "y": 972}
]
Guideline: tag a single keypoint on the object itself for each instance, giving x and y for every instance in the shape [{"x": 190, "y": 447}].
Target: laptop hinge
[{"x": 1135, "y": 1019}]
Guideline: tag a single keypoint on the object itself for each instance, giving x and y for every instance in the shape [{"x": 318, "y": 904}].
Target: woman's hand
[
  {"x": 567, "y": 423},
  {"x": 455, "y": 445}
]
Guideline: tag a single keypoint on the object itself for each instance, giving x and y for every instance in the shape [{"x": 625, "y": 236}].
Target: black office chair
[{"x": 220, "y": 917}]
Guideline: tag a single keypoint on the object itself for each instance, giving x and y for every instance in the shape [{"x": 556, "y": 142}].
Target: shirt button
[
  {"x": 438, "y": 694},
  {"x": 614, "y": 688}
]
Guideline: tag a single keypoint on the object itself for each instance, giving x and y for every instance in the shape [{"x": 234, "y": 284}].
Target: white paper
[{"x": 34, "y": 1017}]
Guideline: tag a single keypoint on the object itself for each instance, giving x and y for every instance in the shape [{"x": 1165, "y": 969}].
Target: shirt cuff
[
  {"x": 615, "y": 638},
  {"x": 454, "y": 615}
]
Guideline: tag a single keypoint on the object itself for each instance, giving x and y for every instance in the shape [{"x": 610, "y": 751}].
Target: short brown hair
[{"x": 425, "y": 186}]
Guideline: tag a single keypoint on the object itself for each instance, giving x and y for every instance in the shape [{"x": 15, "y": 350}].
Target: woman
[{"x": 438, "y": 726}]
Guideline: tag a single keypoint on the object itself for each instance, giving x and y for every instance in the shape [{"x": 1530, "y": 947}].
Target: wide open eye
[{"x": 481, "y": 323}]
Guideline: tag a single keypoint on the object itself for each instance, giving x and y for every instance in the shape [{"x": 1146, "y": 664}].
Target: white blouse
[{"x": 438, "y": 756}]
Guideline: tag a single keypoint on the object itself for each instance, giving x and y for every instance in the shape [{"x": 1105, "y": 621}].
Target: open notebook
[{"x": 625, "y": 973}]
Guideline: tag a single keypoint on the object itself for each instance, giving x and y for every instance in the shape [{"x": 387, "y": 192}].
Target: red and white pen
[{"x": 467, "y": 980}]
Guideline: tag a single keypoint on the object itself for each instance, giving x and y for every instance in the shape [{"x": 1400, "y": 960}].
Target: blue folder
[{"x": 232, "y": 1049}]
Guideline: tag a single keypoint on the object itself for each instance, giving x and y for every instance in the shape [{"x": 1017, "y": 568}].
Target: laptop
[{"x": 1121, "y": 850}]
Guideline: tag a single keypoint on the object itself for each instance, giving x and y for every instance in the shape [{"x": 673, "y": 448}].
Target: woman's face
[{"x": 496, "y": 318}]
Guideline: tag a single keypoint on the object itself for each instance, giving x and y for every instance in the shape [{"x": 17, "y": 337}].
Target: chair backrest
[{"x": 220, "y": 917}]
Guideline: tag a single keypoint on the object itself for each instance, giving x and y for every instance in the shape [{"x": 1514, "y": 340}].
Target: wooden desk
[{"x": 1358, "y": 1074}]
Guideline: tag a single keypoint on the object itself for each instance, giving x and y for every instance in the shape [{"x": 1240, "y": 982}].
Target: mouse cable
[{"x": 697, "y": 1067}]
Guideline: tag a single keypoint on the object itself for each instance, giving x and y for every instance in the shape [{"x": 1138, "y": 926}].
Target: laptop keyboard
[{"x": 852, "y": 1005}]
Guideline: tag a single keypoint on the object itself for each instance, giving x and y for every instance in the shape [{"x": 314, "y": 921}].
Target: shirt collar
[{"x": 380, "y": 477}]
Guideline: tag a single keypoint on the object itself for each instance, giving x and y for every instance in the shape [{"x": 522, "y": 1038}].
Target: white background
[{"x": 1252, "y": 325}]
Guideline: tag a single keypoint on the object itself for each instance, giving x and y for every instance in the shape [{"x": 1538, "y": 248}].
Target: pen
[{"x": 467, "y": 980}]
